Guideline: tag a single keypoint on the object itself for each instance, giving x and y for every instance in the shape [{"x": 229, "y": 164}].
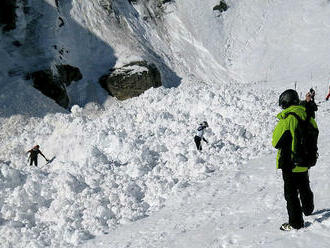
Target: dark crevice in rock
[{"x": 60, "y": 22}]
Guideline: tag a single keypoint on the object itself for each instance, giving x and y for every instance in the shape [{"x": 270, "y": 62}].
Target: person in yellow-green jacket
[{"x": 297, "y": 191}]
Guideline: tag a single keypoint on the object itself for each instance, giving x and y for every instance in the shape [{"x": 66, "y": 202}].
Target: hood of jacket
[{"x": 298, "y": 109}]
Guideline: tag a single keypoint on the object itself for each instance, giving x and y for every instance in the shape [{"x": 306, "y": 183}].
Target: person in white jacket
[{"x": 200, "y": 135}]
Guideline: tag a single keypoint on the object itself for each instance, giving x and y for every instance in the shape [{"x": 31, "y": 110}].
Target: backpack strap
[{"x": 299, "y": 118}]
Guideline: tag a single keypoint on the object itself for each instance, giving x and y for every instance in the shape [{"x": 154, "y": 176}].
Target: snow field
[
  {"x": 278, "y": 41},
  {"x": 119, "y": 163},
  {"x": 239, "y": 206}
]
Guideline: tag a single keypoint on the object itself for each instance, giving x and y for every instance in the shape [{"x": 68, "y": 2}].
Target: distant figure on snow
[
  {"x": 328, "y": 96},
  {"x": 34, "y": 155},
  {"x": 309, "y": 103},
  {"x": 200, "y": 133}
]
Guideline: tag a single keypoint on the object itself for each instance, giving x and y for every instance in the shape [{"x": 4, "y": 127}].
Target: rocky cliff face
[
  {"x": 63, "y": 35},
  {"x": 94, "y": 36}
]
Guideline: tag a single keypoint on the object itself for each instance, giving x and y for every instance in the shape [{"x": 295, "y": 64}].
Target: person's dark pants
[
  {"x": 34, "y": 160},
  {"x": 295, "y": 185},
  {"x": 198, "y": 142}
]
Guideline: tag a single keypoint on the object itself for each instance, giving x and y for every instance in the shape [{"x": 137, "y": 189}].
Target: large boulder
[
  {"x": 53, "y": 84},
  {"x": 8, "y": 14},
  {"x": 131, "y": 80}
]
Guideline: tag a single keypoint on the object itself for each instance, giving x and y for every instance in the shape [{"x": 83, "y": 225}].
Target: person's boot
[{"x": 286, "y": 227}]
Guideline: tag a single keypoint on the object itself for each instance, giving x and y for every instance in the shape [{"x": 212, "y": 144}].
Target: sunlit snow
[{"x": 127, "y": 174}]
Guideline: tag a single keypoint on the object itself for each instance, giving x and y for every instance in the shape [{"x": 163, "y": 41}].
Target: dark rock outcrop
[
  {"x": 53, "y": 84},
  {"x": 8, "y": 14},
  {"x": 223, "y": 6},
  {"x": 167, "y": 1},
  {"x": 68, "y": 73},
  {"x": 45, "y": 82},
  {"x": 131, "y": 80}
]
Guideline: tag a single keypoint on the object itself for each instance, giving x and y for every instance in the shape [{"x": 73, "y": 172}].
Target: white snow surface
[{"x": 127, "y": 174}]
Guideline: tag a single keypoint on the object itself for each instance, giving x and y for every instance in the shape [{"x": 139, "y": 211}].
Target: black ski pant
[
  {"x": 198, "y": 142},
  {"x": 34, "y": 160},
  {"x": 298, "y": 196}
]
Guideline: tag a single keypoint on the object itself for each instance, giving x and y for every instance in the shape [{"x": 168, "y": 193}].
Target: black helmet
[
  {"x": 288, "y": 98},
  {"x": 205, "y": 124}
]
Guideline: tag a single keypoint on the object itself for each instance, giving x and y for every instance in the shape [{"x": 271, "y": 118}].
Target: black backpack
[{"x": 306, "y": 151}]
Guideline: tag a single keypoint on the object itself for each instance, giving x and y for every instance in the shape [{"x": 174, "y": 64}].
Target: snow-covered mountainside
[{"x": 127, "y": 173}]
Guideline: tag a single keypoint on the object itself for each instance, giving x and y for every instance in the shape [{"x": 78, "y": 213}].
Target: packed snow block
[
  {"x": 53, "y": 84},
  {"x": 131, "y": 80},
  {"x": 8, "y": 14},
  {"x": 222, "y": 6},
  {"x": 10, "y": 177}
]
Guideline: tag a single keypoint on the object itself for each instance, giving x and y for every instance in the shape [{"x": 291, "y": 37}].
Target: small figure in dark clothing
[
  {"x": 34, "y": 155},
  {"x": 199, "y": 136},
  {"x": 309, "y": 103},
  {"x": 328, "y": 96}
]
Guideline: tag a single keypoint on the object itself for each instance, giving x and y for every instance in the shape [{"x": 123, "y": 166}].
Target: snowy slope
[
  {"x": 241, "y": 206},
  {"x": 279, "y": 41},
  {"x": 96, "y": 36},
  {"x": 111, "y": 171},
  {"x": 130, "y": 169}
]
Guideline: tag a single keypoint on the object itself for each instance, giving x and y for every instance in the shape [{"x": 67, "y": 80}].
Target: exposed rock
[
  {"x": 48, "y": 85},
  {"x": 8, "y": 14},
  {"x": 223, "y": 6},
  {"x": 131, "y": 80},
  {"x": 54, "y": 85},
  {"x": 167, "y": 1},
  {"x": 151, "y": 10},
  {"x": 68, "y": 73},
  {"x": 107, "y": 5}
]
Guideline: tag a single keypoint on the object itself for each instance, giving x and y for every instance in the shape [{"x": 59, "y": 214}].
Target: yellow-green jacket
[{"x": 284, "y": 138}]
